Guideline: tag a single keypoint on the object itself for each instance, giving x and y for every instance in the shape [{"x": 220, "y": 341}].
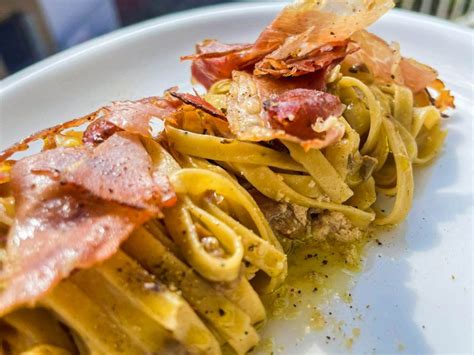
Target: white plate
[{"x": 419, "y": 283}]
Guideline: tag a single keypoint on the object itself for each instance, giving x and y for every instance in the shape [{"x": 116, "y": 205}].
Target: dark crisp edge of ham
[
  {"x": 131, "y": 116},
  {"x": 199, "y": 103},
  {"x": 295, "y": 111},
  {"x": 212, "y": 48},
  {"x": 67, "y": 217},
  {"x": 43, "y": 134},
  {"x": 313, "y": 62}
]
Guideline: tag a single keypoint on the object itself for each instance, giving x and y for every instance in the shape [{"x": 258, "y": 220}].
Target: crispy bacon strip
[
  {"x": 306, "y": 36},
  {"x": 257, "y": 112},
  {"x": 74, "y": 206}
]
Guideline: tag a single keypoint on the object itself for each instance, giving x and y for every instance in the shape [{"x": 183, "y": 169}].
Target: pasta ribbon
[
  {"x": 374, "y": 110},
  {"x": 404, "y": 177},
  {"x": 273, "y": 186},
  {"x": 230, "y": 150},
  {"x": 231, "y": 322}
]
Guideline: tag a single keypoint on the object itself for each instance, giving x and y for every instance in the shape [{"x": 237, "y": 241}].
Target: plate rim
[{"x": 153, "y": 24}]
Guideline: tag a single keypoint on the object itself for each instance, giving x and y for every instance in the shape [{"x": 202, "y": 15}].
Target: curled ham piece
[
  {"x": 67, "y": 217},
  {"x": 319, "y": 59},
  {"x": 257, "y": 111},
  {"x": 214, "y": 61},
  {"x": 130, "y": 116},
  {"x": 386, "y": 64},
  {"x": 306, "y": 25},
  {"x": 297, "y": 111},
  {"x": 267, "y": 85},
  {"x": 306, "y": 36},
  {"x": 99, "y": 131},
  {"x": 415, "y": 75}
]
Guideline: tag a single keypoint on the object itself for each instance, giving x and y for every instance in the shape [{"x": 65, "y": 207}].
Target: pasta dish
[{"x": 168, "y": 225}]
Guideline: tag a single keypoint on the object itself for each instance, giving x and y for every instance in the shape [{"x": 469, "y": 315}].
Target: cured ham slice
[
  {"x": 214, "y": 61},
  {"x": 305, "y": 37},
  {"x": 99, "y": 131},
  {"x": 259, "y": 112},
  {"x": 386, "y": 64},
  {"x": 74, "y": 206},
  {"x": 118, "y": 170},
  {"x": 267, "y": 85},
  {"x": 131, "y": 116},
  {"x": 309, "y": 35},
  {"x": 299, "y": 111},
  {"x": 319, "y": 59}
]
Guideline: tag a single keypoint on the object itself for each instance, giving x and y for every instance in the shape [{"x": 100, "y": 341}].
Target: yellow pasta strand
[
  {"x": 229, "y": 150},
  {"x": 405, "y": 183},
  {"x": 272, "y": 186},
  {"x": 321, "y": 171},
  {"x": 40, "y": 327},
  {"x": 100, "y": 333},
  {"x": 231, "y": 322},
  {"x": 181, "y": 226},
  {"x": 154, "y": 299},
  {"x": 374, "y": 109}
]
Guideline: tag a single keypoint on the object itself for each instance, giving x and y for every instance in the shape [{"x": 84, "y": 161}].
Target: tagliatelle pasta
[{"x": 118, "y": 241}]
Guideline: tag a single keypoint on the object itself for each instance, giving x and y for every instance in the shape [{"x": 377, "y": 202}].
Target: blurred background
[{"x": 31, "y": 30}]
